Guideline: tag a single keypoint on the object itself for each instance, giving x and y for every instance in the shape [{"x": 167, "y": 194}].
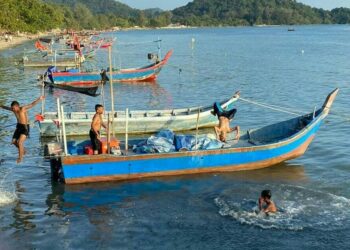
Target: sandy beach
[{"x": 18, "y": 39}]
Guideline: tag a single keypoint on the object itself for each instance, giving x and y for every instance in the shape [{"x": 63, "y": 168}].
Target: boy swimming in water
[
  {"x": 265, "y": 203},
  {"x": 22, "y": 131}
]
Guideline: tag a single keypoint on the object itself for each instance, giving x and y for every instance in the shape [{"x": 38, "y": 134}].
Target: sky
[{"x": 172, "y": 4}]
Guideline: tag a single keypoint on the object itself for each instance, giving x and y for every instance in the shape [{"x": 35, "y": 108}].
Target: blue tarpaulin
[{"x": 166, "y": 141}]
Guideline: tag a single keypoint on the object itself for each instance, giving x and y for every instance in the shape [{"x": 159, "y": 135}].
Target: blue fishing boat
[
  {"x": 147, "y": 73},
  {"x": 257, "y": 148}
]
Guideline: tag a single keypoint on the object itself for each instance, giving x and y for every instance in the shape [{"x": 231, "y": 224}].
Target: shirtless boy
[
  {"x": 22, "y": 131},
  {"x": 265, "y": 203},
  {"x": 225, "y": 116},
  {"x": 96, "y": 124}
]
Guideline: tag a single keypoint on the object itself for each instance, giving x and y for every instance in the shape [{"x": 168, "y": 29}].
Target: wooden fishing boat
[
  {"x": 147, "y": 73},
  {"x": 258, "y": 148},
  {"x": 87, "y": 89},
  {"x": 139, "y": 121}
]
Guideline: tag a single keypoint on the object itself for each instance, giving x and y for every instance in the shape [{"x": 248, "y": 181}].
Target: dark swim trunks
[
  {"x": 95, "y": 142},
  {"x": 21, "y": 129},
  {"x": 229, "y": 114}
]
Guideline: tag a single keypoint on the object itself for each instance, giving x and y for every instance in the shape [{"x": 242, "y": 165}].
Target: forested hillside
[
  {"x": 41, "y": 15},
  {"x": 255, "y": 12}
]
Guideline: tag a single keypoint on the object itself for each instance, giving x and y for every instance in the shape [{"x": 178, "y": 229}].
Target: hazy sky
[{"x": 171, "y": 4}]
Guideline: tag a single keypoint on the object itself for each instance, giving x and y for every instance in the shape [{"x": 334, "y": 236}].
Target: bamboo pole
[
  {"x": 59, "y": 118},
  {"x": 199, "y": 110},
  {"x": 111, "y": 84},
  {"x": 42, "y": 94},
  {"x": 64, "y": 132},
  {"x": 126, "y": 130},
  {"x": 108, "y": 134}
]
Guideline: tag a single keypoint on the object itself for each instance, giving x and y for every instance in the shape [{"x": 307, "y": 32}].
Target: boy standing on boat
[
  {"x": 225, "y": 116},
  {"x": 96, "y": 124},
  {"x": 22, "y": 131}
]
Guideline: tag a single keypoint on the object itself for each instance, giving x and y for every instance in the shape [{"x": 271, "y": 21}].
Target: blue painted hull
[
  {"x": 264, "y": 147},
  {"x": 146, "y": 73},
  {"x": 127, "y": 167}
]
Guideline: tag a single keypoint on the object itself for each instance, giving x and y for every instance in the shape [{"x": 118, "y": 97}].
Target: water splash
[
  {"x": 299, "y": 208},
  {"x": 7, "y": 196}
]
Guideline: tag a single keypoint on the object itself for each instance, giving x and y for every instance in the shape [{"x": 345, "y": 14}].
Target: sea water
[{"x": 294, "y": 70}]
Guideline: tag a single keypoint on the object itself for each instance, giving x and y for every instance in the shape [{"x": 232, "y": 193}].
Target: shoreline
[{"x": 18, "y": 40}]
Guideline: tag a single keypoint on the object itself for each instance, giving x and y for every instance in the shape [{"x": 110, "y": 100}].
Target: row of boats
[{"x": 256, "y": 148}]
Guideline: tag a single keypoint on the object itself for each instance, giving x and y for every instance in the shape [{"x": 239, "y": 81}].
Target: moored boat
[
  {"x": 147, "y": 73},
  {"x": 139, "y": 121},
  {"x": 256, "y": 149}
]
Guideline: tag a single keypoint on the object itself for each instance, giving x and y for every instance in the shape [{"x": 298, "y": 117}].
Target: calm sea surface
[{"x": 213, "y": 211}]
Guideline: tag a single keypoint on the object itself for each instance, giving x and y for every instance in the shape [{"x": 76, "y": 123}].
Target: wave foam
[{"x": 299, "y": 208}]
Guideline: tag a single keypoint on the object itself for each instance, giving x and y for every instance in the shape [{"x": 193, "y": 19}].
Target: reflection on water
[{"x": 22, "y": 218}]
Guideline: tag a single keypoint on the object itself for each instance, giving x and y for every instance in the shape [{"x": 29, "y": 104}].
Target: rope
[
  {"x": 273, "y": 107},
  {"x": 137, "y": 43}
]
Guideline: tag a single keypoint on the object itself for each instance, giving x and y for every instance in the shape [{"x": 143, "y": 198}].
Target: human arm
[
  {"x": 95, "y": 126},
  {"x": 261, "y": 202},
  {"x": 271, "y": 208},
  {"x": 31, "y": 105},
  {"x": 217, "y": 132},
  {"x": 6, "y": 108}
]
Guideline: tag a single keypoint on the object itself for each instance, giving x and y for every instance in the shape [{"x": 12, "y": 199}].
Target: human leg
[{"x": 21, "y": 150}]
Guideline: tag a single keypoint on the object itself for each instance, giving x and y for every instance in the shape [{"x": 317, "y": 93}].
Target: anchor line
[{"x": 273, "y": 107}]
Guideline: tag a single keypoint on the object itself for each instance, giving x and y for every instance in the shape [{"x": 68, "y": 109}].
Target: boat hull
[
  {"x": 148, "y": 73},
  {"x": 84, "y": 169},
  {"x": 139, "y": 122}
]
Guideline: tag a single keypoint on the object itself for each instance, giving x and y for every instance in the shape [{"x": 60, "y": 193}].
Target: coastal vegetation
[{"x": 42, "y": 15}]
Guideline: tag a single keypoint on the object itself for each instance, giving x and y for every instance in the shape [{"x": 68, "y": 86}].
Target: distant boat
[
  {"x": 291, "y": 29},
  {"x": 139, "y": 121},
  {"x": 258, "y": 148},
  {"x": 86, "y": 89},
  {"x": 146, "y": 73}
]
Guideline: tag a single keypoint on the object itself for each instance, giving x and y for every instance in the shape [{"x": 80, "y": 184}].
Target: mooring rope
[
  {"x": 137, "y": 43},
  {"x": 288, "y": 110},
  {"x": 273, "y": 107}
]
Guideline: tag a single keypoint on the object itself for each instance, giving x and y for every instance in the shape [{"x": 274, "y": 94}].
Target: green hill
[
  {"x": 41, "y": 15},
  {"x": 249, "y": 12}
]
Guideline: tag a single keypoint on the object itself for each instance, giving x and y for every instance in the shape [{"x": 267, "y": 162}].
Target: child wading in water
[
  {"x": 265, "y": 203},
  {"x": 22, "y": 129}
]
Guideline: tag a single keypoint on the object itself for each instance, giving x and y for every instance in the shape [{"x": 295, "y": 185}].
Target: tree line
[{"x": 42, "y": 15}]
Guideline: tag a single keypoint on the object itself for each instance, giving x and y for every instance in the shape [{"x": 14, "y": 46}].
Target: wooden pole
[
  {"x": 126, "y": 130},
  {"x": 64, "y": 132},
  {"x": 111, "y": 84},
  {"x": 59, "y": 118},
  {"x": 199, "y": 110},
  {"x": 108, "y": 134},
  {"x": 42, "y": 94}
]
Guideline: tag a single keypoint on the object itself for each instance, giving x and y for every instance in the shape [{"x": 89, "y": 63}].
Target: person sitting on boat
[
  {"x": 22, "y": 128},
  {"x": 225, "y": 116},
  {"x": 266, "y": 205},
  {"x": 96, "y": 124}
]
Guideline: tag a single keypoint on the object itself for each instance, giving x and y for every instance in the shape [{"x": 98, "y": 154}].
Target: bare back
[{"x": 224, "y": 124}]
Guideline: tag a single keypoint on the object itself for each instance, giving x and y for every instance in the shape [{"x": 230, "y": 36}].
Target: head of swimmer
[
  {"x": 15, "y": 106},
  {"x": 99, "y": 109},
  {"x": 266, "y": 195}
]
